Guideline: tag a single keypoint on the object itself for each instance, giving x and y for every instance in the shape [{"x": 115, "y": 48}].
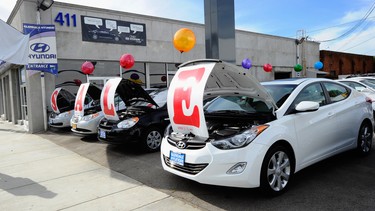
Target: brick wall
[{"x": 338, "y": 63}]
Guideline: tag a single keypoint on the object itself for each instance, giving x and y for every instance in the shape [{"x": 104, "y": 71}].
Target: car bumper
[
  {"x": 119, "y": 136},
  {"x": 211, "y": 164},
  {"x": 86, "y": 127},
  {"x": 59, "y": 122}
]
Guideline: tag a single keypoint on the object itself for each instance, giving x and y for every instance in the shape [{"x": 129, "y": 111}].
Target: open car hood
[
  {"x": 94, "y": 92},
  {"x": 127, "y": 90},
  {"x": 200, "y": 79},
  {"x": 62, "y": 100},
  {"x": 85, "y": 88}
]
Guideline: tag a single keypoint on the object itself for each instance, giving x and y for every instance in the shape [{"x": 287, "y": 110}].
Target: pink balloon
[
  {"x": 127, "y": 61},
  {"x": 87, "y": 68},
  {"x": 267, "y": 67}
]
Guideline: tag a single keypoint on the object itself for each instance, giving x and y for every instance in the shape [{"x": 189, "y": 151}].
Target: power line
[
  {"x": 355, "y": 36},
  {"x": 360, "y": 43},
  {"x": 330, "y": 27},
  {"x": 354, "y": 27}
]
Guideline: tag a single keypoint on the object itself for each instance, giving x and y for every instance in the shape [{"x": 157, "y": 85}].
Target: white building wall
[{"x": 280, "y": 52}]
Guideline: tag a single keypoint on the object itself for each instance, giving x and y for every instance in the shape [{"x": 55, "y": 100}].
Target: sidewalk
[{"x": 36, "y": 174}]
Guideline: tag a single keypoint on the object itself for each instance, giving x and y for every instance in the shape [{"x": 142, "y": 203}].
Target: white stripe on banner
[{"x": 14, "y": 46}]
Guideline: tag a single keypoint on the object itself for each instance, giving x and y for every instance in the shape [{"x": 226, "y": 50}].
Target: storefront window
[
  {"x": 158, "y": 75},
  {"x": 136, "y": 73}
]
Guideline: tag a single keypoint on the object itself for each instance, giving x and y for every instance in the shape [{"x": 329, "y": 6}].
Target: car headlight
[
  {"x": 62, "y": 115},
  {"x": 240, "y": 140},
  {"x": 168, "y": 130},
  {"x": 89, "y": 117},
  {"x": 128, "y": 123}
]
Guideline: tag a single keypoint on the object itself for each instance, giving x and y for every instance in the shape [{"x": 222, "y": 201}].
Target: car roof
[{"x": 293, "y": 81}]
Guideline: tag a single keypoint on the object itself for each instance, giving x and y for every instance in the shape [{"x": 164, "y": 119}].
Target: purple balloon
[{"x": 246, "y": 63}]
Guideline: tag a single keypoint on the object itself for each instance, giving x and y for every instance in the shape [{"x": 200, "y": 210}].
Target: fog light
[{"x": 238, "y": 168}]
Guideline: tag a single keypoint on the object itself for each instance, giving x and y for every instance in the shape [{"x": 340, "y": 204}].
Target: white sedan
[
  {"x": 365, "y": 87},
  {"x": 258, "y": 135}
]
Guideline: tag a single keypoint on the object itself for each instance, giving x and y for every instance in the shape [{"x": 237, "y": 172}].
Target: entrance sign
[{"x": 42, "y": 48}]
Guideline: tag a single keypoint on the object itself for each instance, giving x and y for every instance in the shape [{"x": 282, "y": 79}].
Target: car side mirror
[{"x": 307, "y": 106}]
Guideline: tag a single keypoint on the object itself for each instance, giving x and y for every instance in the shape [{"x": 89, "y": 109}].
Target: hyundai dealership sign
[{"x": 42, "y": 47}]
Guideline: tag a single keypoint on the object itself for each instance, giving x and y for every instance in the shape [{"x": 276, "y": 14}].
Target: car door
[
  {"x": 346, "y": 115},
  {"x": 314, "y": 128}
]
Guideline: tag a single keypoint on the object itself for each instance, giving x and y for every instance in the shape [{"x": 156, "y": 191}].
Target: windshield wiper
[{"x": 238, "y": 112}]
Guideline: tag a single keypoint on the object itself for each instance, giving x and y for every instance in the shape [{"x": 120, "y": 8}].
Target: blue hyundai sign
[{"x": 42, "y": 48}]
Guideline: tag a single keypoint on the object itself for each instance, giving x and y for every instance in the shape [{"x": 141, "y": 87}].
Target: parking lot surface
[
  {"x": 102, "y": 175},
  {"x": 36, "y": 174},
  {"x": 345, "y": 181}
]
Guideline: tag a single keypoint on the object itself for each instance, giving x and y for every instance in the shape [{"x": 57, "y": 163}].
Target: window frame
[{"x": 327, "y": 92}]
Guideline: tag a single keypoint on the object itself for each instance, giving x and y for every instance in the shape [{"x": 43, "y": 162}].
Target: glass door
[{"x": 23, "y": 96}]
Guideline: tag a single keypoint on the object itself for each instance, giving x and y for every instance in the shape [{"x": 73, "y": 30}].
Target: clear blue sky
[{"x": 321, "y": 20}]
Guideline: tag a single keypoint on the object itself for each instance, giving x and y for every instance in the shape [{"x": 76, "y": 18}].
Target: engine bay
[
  {"x": 223, "y": 127},
  {"x": 131, "y": 112}
]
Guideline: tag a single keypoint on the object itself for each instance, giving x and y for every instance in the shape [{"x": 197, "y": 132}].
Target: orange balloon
[{"x": 184, "y": 40}]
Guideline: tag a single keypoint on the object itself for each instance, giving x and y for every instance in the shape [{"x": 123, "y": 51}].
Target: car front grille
[
  {"x": 190, "y": 144},
  {"x": 75, "y": 119},
  {"x": 106, "y": 125},
  {"x": 83, "y": 130},
  {"x": 188, "y": 168},
  {"x": 57, "y": 124}
]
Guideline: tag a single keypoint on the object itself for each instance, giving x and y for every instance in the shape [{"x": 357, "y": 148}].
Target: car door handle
[{"x": 330, "y": 114}]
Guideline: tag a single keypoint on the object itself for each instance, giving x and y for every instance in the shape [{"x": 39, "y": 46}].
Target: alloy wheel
[
  {"x": 365, "y": 139},
  {"x": 278, "y": 171},
  {"x": 153, "y": 139}
]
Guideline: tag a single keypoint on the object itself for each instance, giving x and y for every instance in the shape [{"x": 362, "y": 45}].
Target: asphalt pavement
[{"x": 37, "y": 174}]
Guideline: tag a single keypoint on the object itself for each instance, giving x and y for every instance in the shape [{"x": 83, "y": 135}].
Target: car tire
[
  {"x": 117, "y": 39},
  {"x": 94, "y": 36},
  {"x": 151, "y": 139},
  {"x": 277, "y": 171},
  {"x": 364, "y": 143}
]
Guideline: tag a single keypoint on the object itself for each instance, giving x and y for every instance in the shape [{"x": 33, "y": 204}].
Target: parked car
[
  {"x": 368, "y": 80},
  {"x": 85, "y": 120},
  {"x": 366, "y": 88},
  {"x": 258, "y": 135},
  {"x": 62, "y": 104},
  {"x": 144, "y": 119}
]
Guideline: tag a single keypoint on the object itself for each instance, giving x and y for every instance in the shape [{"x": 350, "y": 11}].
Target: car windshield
[
  {"x": 236, "y": 105},
  {"x": 369, "y": 82},
  {"x": 159, "y": 96},
  {"x": 280, "y": 92}
]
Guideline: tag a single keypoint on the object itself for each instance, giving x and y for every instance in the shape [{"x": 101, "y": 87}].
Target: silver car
[
  {"x": 62, "y": 104},
  {"x": 85, "y": 120}
]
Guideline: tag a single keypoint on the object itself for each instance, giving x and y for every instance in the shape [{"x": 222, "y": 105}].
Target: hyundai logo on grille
[
  {"x": 40, "y": 47},
  {"x": 181, "y": 145}
]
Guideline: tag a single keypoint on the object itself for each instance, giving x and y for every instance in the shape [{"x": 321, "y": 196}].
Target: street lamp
[{"x": 45, "y": 4}]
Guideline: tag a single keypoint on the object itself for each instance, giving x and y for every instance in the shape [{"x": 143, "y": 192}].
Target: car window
[
  {"x": 159, "y": 96},
  {"x": 237, "y": 103},
  {"x": 279, "y": 92},
  {"x": 368, "y": 82},
  {"x": 354, "y": 85},
  {"x": 336, "y": 92},
  {"x": 313, "y": 92}
]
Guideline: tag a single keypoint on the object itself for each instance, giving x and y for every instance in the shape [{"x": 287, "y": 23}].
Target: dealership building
[{"x": 102, "y": 36}]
